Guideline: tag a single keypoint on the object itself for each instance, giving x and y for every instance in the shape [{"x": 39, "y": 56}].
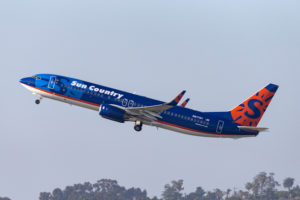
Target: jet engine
[{"x": 113, "y": 113}]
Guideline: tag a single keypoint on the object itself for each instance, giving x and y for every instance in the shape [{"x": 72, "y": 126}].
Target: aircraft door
[
  {"x": 52, "y": 82},
  {"x": 220, "y": 126}
]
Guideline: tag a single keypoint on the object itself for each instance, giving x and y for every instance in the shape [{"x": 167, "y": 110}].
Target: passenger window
[
  {"x": 124, "y": 102},
  {"x": 131, "y": 103}
]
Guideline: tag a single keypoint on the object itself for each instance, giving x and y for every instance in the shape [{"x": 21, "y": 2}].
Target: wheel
[
  {"x": 37, "y": 101},
  {"x": 137, "y": 128}
]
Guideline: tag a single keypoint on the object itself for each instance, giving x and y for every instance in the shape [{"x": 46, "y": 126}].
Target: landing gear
[
  {"x": 138, "y": 126},
  {"x": 38, "y": 100}
]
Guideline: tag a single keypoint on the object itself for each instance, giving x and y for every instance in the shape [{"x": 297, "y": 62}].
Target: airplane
[{"x": 121, "y": 106}]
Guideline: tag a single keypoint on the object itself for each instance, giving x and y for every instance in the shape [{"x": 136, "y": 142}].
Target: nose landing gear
[
  {"x": 38, "y": 101},
  {"x": 138, "y": 126}
]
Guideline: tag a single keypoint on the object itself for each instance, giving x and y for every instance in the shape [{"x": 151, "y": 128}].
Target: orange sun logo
[{"x": 251, "y": 111}]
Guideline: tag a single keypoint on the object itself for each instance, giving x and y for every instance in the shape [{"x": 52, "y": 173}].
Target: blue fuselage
[{"x": 92, "y": 96}]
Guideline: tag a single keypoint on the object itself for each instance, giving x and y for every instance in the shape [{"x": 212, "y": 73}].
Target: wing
[{"x": 150, "y": 113}]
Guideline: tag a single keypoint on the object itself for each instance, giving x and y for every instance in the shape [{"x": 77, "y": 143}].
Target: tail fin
[{"x": 250, "y": 112}]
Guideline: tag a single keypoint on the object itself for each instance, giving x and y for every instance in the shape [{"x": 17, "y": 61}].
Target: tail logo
[
  {"x": 251, "y": 111},
  {"x": 255, "y": 110}
]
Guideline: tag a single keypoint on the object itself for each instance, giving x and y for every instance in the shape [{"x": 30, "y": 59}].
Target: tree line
[{"x": 262, "y": 187}]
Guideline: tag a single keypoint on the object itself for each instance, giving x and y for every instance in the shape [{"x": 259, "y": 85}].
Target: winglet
[
  {"x": 184, "y": 103},
  {"x": 177, "y": 99}
]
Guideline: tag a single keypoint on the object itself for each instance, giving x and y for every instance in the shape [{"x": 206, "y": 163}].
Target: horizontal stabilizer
[{"x": 252, "y": 129}]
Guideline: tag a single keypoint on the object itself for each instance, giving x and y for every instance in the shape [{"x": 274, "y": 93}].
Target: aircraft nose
[
  {"x": 27, "y": 81},
  {"x": 22, "y": 80}
]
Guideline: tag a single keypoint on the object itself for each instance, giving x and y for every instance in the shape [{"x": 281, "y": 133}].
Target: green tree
[
  {"x": 173, "y": 191},
  {"x": 45, "y": 196},
  {"x": 296, "y": 192},
  {"x": 288, "y": 183},
  {"x": 248, "y": 187},
  {"x": 228, "y": 191},
  {"x": 211, "y": 196},
  {"x": 197, "y": 195},
  {"x": 264, "y": 186},
  {"x": 57, "y": 194},
  {"x": 219, "y": 194}
]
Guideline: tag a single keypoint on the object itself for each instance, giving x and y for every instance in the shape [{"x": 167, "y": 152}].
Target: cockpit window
[{"x": 36, "y": 77}]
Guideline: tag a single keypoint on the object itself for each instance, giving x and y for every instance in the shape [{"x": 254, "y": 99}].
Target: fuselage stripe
[{"x": 185, "y": 128}]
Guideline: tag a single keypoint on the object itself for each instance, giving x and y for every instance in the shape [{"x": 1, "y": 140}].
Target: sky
[{"x": 221, "y": 52}]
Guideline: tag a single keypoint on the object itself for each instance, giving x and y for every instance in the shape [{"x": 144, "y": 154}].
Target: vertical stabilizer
[{"x": 250, "y": 112}]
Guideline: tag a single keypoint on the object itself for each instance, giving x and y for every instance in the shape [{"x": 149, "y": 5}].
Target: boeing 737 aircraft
[{"x": 122, "y": 106}]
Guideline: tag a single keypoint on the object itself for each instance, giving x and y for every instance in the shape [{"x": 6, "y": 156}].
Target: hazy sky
[{"x": 220, "y": 51}]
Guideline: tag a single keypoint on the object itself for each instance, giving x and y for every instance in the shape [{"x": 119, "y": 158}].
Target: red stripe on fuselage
[
  {"x": 162, "y": 122},
  {"x": 185, "y": 128}
]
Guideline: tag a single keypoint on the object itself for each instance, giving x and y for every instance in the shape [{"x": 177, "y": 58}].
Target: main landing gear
[{"x": 138, "y": 126}]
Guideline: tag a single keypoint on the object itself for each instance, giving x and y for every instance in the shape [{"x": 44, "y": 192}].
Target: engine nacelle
[{"x": 112, "y": 113}]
